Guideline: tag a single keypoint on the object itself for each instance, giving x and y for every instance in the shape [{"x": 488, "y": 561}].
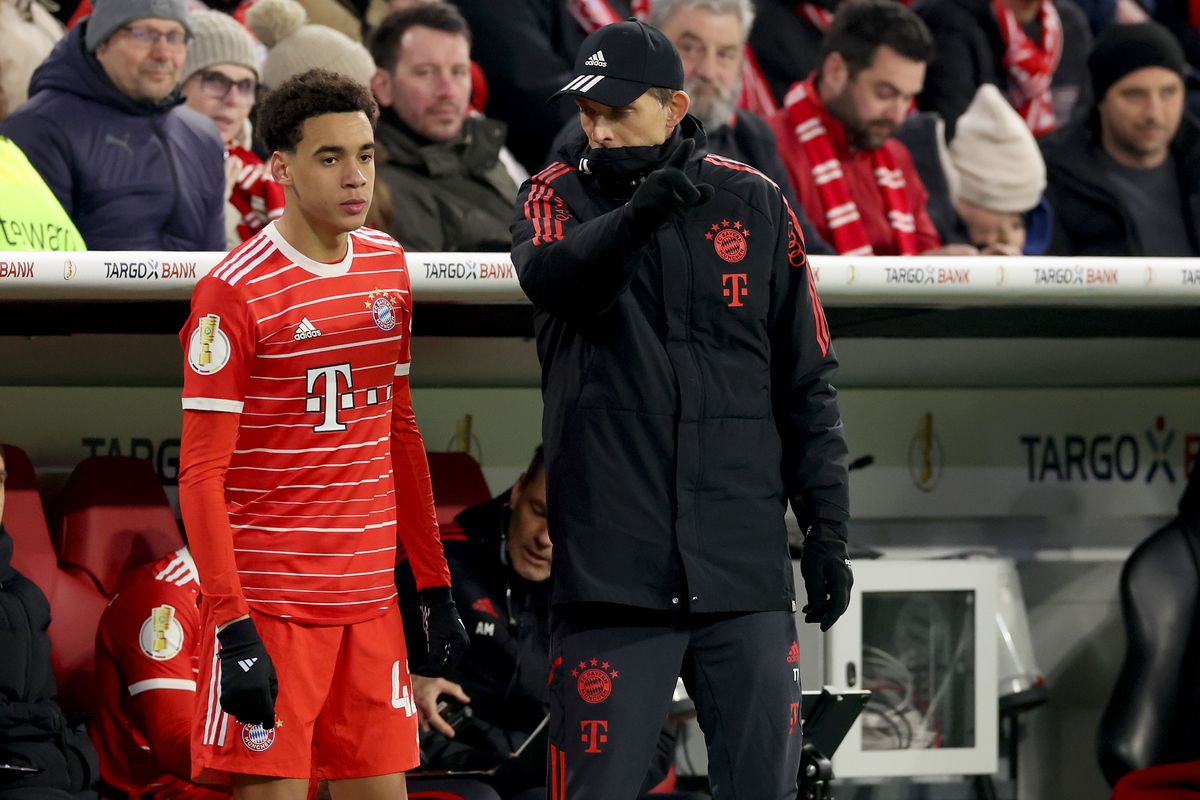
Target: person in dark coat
[
  {"x": 106, "y": 127},
  {"x": 786, "y": 39},
  {"x": 1034, "y": 50},
  {"x": 686, "y": 368},
  {"x": 1125, "y": 181}
]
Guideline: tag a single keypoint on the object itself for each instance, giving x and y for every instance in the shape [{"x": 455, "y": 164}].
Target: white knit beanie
[
  {"x": 996, "y": 157},
  {"x": 218, "y": 39},
  {"x": 293, "y": 46}
]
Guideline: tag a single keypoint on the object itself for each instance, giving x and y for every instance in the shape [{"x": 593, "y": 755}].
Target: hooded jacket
[
  {"x": 450, "y": 196},
  {"x": 1089, "y": 217},
  {"x": 685, "y": 376},
  {"x": 132, "y": 175}
]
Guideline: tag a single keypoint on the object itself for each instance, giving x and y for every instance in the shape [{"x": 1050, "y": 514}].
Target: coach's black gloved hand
[
  {"x": 667, "y": 194},
  {"x": 248, "y": 683},
  {"x": 825, "y": 567},
  {"x": 445, "y": 635}
]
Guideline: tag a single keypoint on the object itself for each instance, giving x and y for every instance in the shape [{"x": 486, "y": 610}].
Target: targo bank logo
[{"x": 1156, "y": 453}]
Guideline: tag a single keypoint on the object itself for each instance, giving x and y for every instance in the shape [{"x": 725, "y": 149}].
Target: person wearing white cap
[
  {"x": 1000, "y": 173},
  {"x": 220, "y": 80}
]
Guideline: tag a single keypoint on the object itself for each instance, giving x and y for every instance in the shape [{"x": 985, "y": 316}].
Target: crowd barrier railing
[{"x": 491, "y": 278}]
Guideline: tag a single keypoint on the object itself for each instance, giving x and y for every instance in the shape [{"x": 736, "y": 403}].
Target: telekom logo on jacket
[{"x": 735, "y": 288}]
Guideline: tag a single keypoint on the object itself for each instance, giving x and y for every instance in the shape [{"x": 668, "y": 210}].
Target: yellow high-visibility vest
[{"x": 31, "y": 218}]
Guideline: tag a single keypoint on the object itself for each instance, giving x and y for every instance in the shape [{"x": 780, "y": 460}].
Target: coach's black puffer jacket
[{"x": 686, "y": 384}]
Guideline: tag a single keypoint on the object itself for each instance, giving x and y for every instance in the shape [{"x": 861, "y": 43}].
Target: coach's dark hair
[
  {"x": 385, "y": 42},
  {"x": 282, "y": 113},
  {"x": 536, "y": 465},
  {"x": 861, "y": 27}
]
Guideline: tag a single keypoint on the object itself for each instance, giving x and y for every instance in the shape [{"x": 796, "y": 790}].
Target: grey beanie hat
[
  {"x": 109, "y": 15},
  {"x": 219, "y": 39}
]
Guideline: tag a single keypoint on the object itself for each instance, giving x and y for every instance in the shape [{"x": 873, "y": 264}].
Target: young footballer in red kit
[{"x": 302, "y": 466}]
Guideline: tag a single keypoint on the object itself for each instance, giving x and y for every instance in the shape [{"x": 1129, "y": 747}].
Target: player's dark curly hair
[{"x": 282, "y": 113}]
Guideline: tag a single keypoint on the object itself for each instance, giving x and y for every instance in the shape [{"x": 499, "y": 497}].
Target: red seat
[
  {"x": 75, "y": 603},
  {"x": 458, "y": 484},
  {"x": 115, "y": 516}
]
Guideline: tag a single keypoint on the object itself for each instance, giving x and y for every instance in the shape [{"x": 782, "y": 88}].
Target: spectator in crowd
[
  {"x": 294, "y": 45},
  {"x": 220, "y": 80},
  {"x": 710, "y": 36},
  {"x": 34, "y": 732},
  {"x": 1034, "y": 50},
  {"x": 1182, "y": 18},
  {"x": 145, "y": 172},
  {"x": 1126, "y": 180},
  {"x": 856, "y": 182},
  {"x": 28, "y": 33},
  {"x": 147, "y": 648},
  {"x": 1000, "y": 173},
  {"x": 450, "y": 188},
  {"x": 500, "y": 574},
  {"x": 786, "y": 38},
  {"x": 527, "y": 55}
]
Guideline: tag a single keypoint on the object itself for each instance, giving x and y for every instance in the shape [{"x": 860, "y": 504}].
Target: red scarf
[
  {"x": 256, "y": 196},
  {"x": 1030, "y": 65},
  {"x": 820, "y": 18},
  {"x": 811, "y": 123},
  {"x": 756, "y": 92}
]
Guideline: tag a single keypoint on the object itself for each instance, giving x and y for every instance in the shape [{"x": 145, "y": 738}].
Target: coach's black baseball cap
[{"x": 619, "y": 62}]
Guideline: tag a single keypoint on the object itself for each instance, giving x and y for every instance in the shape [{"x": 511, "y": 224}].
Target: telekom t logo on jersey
[
  {"x": 735, "y": 288},
  {"x": 324, "y": 396}
]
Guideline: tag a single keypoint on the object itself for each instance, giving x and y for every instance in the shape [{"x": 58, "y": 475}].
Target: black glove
[
  {"x": 445, "y": 636},
  {"x": 825, "y": 567},
  {"x": 248, "y": 683},
  {"x": 667, "y": 194}
]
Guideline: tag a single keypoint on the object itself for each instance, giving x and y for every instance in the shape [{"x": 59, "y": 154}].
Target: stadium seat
[
  {"x": 75, "y": 602},
  {"x": 458, "y": 483},
  {"x": 115, "y": 515}
]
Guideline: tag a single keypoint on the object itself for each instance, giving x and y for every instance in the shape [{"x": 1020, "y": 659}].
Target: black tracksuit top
[{"x": 686, "y": 382}]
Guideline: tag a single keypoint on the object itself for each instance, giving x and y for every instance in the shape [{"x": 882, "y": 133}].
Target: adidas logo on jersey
[
  {"x": 306, "y": 330},
  {"x": 596, "y": 59},
  {"x": 247, "y": 663}
]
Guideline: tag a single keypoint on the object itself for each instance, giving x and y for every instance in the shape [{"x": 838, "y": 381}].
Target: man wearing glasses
[
  {"x": 105, "y": 126},
  {"x": 220, "y": 80}
]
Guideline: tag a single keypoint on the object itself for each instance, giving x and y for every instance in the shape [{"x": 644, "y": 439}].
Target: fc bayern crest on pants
[
  {"x": 257, "y": 738},
  {"x": 729, "y": 239},
  {"x": 594, "y": 679}
]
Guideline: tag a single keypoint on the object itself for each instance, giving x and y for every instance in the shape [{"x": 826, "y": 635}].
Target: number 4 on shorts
[{"x": 400, "y": 694}]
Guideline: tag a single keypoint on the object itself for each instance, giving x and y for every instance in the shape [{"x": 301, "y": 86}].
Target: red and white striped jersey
[
  {"x": 307, "y": 354},
  {"x": 148, "y": 640}
]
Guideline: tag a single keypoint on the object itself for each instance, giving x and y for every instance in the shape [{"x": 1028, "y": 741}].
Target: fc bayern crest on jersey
[
  {"x": 385, "y": 308},
  {"x": 161, "y": 636},
  {"x": 208, "y": 347},
  {"x": 729, "y": 239},
  {"x": 594, "y": 680},
  {"x": 257, "y": 738}
]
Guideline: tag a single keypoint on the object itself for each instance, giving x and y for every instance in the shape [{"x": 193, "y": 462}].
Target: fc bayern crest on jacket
[
  {"x": 594, "y": 680},
  {"x": 729, "y": 239}
]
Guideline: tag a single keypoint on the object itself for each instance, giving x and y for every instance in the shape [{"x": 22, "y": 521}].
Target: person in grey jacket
[
  {"x": 106, "y": 127},
  {"x": 450, "y": 186}
]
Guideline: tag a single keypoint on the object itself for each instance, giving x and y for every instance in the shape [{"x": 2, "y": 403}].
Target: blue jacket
[{"x": 132, "y": 176}]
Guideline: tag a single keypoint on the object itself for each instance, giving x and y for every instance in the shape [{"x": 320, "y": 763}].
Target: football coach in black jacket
[{"x": 686, "y": 367}]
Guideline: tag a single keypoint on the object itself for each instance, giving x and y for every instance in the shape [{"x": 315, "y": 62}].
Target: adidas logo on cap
[
  {"x": 596, "y": 59},
  {"x": 306, "y": 330}
]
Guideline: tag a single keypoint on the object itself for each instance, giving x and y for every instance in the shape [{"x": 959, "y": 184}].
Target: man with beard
[
  {"x": 710, "y": 36},
  {"x": 1126, "y": 180},
  {"x": 856, "y": 182}
]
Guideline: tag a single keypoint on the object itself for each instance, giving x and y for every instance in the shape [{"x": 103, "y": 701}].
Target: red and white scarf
[
  {"x": 819, "y": 17},
  {"x": 256, "y": 196},
  {"x": 1030, "y": 65},
  {"x": 756, "y": 92},
  {"x": 810, "y": 124}
]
